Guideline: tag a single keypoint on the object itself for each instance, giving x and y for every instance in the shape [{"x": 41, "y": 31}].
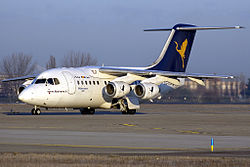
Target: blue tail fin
[{"x": 175, "y": 54}]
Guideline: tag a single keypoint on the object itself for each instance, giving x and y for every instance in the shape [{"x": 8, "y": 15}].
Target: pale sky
[{"x": 112, "y": 31}]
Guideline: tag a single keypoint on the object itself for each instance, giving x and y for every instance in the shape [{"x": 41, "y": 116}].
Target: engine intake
[
  {"x": 117, "y": 89},
  {"x": 23, "y": 86},
  {"x": 146, "y": 90},
  {"x": 20, "y": 89}
]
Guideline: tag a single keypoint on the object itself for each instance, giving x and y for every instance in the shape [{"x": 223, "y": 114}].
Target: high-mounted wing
[
  {"x": 27, "y": 77},
  {"x": 157, "y": 77},
  {"x": 142, "y": 72}
]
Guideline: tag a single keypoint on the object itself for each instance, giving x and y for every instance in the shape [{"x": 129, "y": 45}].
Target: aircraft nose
[{"x": 23, "y": 96}]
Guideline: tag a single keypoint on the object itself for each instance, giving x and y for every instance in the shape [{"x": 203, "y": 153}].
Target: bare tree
[
  {"x": 78, "y": 59},
  {"x": 51, "y": 63},
  {"x": 16, "y": 65},
  {"x": 242, "y": 86}
]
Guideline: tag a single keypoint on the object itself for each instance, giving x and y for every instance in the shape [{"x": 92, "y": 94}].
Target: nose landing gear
[
  {"x": 87, "y": 111},
  {"x": 35, "y": 111}
]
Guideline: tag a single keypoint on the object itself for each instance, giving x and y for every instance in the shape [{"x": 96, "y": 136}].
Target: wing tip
[{"x": 238, "y": 27}]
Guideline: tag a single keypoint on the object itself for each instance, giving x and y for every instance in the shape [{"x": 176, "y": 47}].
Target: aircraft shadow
[{"x": 68, "y": 113}]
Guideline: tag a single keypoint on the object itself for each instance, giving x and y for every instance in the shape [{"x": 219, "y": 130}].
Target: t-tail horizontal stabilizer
[{"x": 193, "y": 28}]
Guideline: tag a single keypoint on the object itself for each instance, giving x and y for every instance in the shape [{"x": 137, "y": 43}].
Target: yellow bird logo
[{"x": 182, "y": 50}]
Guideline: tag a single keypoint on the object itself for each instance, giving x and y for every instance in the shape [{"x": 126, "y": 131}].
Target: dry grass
[{"x": 46, "y": 159}]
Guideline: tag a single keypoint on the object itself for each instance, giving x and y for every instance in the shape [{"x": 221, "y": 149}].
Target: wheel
[
  {"x": 131, "y": 112},
  {"x": 33, "y": 111},
  {"x": 128, "y": 111},
  {"x": 124, "y": 112},
  {"x": 91, "y": 111},
  {"x": 85, "y": 111},
  {"x": 38, "y": 111}
]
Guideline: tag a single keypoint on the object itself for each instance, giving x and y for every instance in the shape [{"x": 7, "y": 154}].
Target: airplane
[{"x": 106, "y": 87}]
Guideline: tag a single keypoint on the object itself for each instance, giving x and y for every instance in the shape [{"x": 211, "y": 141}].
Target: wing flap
[{"x": 199, "y": 81}]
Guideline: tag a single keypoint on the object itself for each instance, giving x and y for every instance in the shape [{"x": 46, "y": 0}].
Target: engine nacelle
[
  {"x": 23, "y": 86},
  {"x": 20, "y": 89},
  {"x": 146, "y": 90},
  {"x": 117, "y": 89}
]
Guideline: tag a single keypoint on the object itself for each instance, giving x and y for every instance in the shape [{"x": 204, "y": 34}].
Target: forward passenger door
[{"x": 70, "y": 82}]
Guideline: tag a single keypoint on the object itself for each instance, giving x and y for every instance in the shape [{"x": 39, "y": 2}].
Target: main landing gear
[
  {"x": 35, "y": 111},
  {"x": 87, "y": 111},
  {"x": 129, "y": 111},
  {"x": 123, "y": 104}
]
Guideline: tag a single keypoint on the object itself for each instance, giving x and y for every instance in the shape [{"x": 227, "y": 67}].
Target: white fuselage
[
  {"x": 78, "y": 87},
  {"x": 75, "y": 88}
]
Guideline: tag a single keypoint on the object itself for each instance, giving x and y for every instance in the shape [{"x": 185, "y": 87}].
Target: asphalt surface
[{"x": 154, "y": 129}]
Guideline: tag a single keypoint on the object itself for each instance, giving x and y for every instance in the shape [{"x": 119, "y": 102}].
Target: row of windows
[
  {"x": 91, "y": 82},
  {"x": 55, "y": 81}
]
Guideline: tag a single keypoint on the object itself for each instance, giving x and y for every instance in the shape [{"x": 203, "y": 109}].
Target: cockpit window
[
  {"x": 56, "y": 81},
  {"x": 40, "y": 81},
  {"x": 50, "y": 81}
]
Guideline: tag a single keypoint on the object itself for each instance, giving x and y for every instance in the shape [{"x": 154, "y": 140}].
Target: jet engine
[
  {"x": 20, "y": 89},
  {"x": 117, "y": 89},
  {"x": 23, "y": 86},
  {"x": 146, "y": 90}
]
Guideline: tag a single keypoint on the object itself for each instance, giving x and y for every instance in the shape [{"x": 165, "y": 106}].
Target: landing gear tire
[
  {"x": 38, "y": 111},
  {"x": 86, "y": 111},
  {"x": 83, "y": 111},
  {"x": 128, "y": 111},
  {"x": 35, "y": 111},
  {"x": 92, "y": 111},
  {"x": 124, "y": 112},
  {"x": 131, "y": 112}
]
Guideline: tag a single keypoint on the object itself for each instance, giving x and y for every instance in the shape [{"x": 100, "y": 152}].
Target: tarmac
[{"x": 156, "y": 129}]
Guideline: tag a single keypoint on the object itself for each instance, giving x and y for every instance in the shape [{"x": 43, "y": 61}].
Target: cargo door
[{"x": 70, "y": 82}]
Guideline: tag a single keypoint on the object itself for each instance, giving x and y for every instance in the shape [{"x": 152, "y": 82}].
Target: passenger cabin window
[
  {"x": 86, "y": 82},
  {"x": 78, "y": 82},
  {"x": 97, "y": 82},
  {"x": 94, "y": 82},
  {"x": 82, "y": 82}
]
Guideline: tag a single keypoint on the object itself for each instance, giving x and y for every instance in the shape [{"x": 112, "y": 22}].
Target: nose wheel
[
  {"x": 87, "y": 111},
  {"x": 36, "y": 111}
]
